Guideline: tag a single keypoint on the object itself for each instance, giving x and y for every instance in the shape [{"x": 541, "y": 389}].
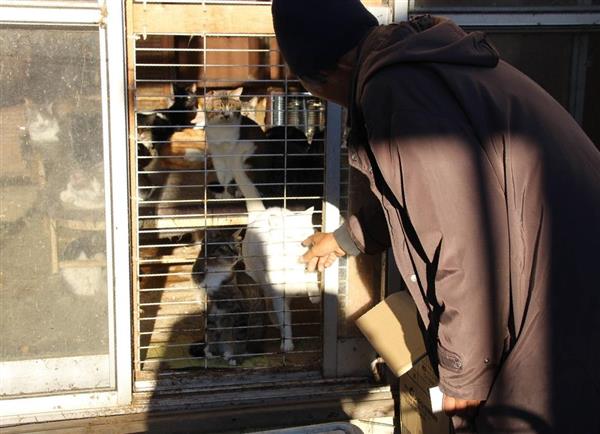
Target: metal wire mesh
[{"x": 203, "y": 300}]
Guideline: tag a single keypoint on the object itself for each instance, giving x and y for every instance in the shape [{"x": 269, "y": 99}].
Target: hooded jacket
[{"x": 490, "y": 199}]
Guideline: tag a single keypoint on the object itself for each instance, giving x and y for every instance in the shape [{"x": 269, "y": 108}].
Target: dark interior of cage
[{"x": 200, "y": 301}]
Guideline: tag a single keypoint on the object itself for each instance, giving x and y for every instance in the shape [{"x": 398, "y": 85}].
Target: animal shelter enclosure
[
  {"x": 219, "y": 121},
  {"x": 231, "y": 176},
  {"x": 173, "y": 248},
  {"x": 159, "y": 168}
]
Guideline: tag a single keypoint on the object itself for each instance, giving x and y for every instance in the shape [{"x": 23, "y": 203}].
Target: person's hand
[
  {"x": 323, "y": 251},
  {"x": 466, "y": 408}
]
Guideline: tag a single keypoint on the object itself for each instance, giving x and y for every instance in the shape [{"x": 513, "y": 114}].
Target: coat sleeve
[
  {"x": 364, "y": 232},
  {"x": 450, "y": 202}
]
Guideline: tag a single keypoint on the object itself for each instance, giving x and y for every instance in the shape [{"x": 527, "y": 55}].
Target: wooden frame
[
  {"x": 201, "y": 19},
  {"x": 197, "y": 19}
]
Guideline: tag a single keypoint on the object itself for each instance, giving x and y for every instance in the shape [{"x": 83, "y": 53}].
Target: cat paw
[
  {"x": 228, "y": 356},
  {"x": 287, "y": 345},
  {"x": 197, "y": 349}
]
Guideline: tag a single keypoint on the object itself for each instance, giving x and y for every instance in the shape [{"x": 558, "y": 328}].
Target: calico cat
[
  {"x": 235, "y": 310},
  {"x": 85, "y": 189},
  {"x": 88, "y": 280},
  {"x": 270, "y": 250},
  {"x": 254, "y": 109},
  {"x": 255, "y": 162}
]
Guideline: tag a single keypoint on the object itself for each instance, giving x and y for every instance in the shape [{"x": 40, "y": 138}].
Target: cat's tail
[
  {"x": 253, "y": 201},
  {"x": 254, "y": 205}
]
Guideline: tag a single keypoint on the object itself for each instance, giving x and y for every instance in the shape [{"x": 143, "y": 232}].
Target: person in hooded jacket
[{"x": 487, "y": 191}]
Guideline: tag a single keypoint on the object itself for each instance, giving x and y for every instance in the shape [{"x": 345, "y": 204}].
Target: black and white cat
[
  {"x": 154, "y": 132},
  {"x": 85, "y": 189},
  {"x": 235, "y": 308},
  {"x": 89, "y": 279},
  {"x": 177, "y": 116},
  {"x": 42, "y": 126}
]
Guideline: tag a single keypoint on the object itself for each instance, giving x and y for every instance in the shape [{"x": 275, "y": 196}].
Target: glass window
[
  {"x": 53, "y": 285},
  {"x": 591, "y": 107}
]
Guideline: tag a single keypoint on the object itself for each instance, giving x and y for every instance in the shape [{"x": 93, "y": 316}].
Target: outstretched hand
[
  {"x": 466, "y": 408},
  {"x": 323, "y": 251}
]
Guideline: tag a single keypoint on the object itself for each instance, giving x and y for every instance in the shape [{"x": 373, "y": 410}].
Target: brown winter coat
[{"x": 491, "y": 194}]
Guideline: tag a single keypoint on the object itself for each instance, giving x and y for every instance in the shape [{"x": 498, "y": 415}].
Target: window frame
[{"x": 111, "y": 35}]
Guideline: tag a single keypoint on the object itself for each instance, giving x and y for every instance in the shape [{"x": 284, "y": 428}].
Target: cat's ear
[
  {"x": 238, "y": 236},
  {"x": 192, "y": 88},
  {"x": 236, "y": 93},
  {"x": 275, "y": 217},
  {"x": 200, "y": 119},
  {"x": 310, "y": 210},
  {"x": 28, "y": 106},
  {"x": 172, "y": 95},
  {"x": 197, "y": 236},
  {"x": 253, "y": 103},
  {"x": 50, "y": 106}
]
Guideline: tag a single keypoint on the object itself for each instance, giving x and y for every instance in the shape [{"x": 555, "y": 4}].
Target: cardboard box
[
  {"x": 419, "y": 411},
  {"x": 393, "y": 330}
]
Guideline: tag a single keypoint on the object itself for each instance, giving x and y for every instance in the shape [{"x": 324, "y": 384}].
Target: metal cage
[{"x": 189, "y": 223}]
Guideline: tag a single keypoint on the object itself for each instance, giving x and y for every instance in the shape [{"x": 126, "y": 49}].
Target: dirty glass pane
[{"x": 53, "y": 288}]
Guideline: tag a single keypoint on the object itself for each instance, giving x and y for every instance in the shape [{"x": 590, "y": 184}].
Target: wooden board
[{"x": 198, "y": 19}]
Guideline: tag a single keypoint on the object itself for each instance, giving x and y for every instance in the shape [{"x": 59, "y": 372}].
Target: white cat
[
  {"x": 87, "y": 280},
  {"x": 271, "y": 248},
  {"x": 83, "y": 191}
]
